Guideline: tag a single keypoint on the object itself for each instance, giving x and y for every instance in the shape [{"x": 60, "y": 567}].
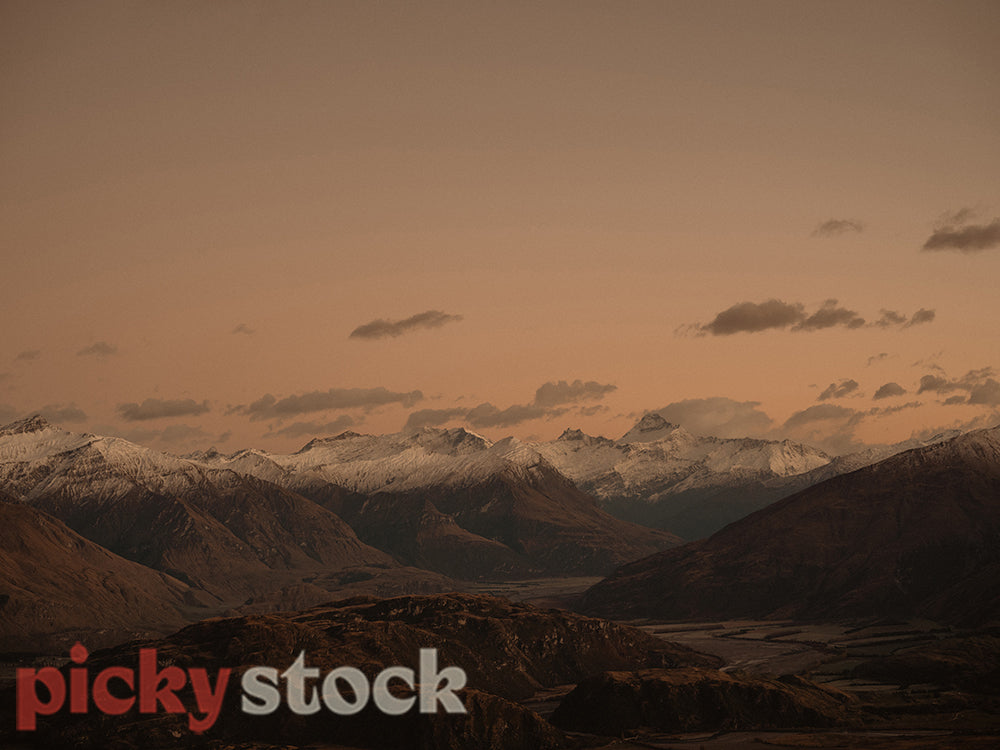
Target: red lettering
[
  {"x": 104, "y": 700},
  {"x": 29, "y": 706},
  {"x": 209, "y": 703},
  {"x": 150, "y": 680}
]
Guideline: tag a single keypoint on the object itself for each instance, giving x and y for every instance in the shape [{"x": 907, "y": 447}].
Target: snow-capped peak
[
  {"x": 34, "y": 423},
  {"x": 650, "y": 428},
  {"x": 455, "y": 441}
]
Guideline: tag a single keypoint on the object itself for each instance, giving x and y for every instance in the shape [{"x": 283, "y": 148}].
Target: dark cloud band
[
  {"x": 155, "y": 408},
  {"x": 380, "y": 329}
]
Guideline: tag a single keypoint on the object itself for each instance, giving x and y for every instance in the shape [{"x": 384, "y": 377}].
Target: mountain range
[
  {"x": 914, "y": 535},
  {"x": 138, "y": 540},
  {"x": 660, "y": 475}
]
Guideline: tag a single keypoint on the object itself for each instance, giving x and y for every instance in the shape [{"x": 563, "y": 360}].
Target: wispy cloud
[
  {"x": 244, "y": 329},
  {"x": 62, "y": 414},
  {"x": 155, "y": 408},
  {"x": 563, "y": 392},
  {"x": 839, "y": 390},
  {"x": 889, "y": 390},
  {"x": 921, "y": 316},
  {"x": 29, "y": 355},
  {"x": 955, "y": 233},
  {"x": 488, "y": 415},
  {"x": 552, "y": 399},
  {"x": 271, "y": 407},
  {"x": 718, "y": 416},
  {"x": 381, "y": 328},
  {"x": 830, "y": 315},
  {"x": 986, "y": 393},
  {"x": 817, "y": 413},
  {"x": 837, "y": 227},
  {"x": 943, "y": 384},
  {"x": 98, "y": 349},
  {"x": 432, "y": 418},
  {"x": 752, "y": 317}
]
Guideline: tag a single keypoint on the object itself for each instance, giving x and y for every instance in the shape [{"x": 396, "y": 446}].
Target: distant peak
[
  {"x": 315, "y": 442},
  {"x": 346, "y": 435},
  {"x": 653, "y": 422},
  {"x": 34, "y": 423},
  {"x": 450, "y": 440},
  {"x": 208, "y": 455},
  {"x": 569, "y": 434},
  {"x": 651, "y": 428}
]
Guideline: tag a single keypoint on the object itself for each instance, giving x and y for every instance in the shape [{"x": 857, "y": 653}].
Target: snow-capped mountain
[
  {"x": 455, "y": 502},
  {"x": 853, "y": 461},
  {"x": 217, "y": 529},
  {"x": 914, "y": 535},
  {"x": 660, "y": 474}
]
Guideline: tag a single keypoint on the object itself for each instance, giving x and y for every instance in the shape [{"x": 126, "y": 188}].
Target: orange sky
[{"x": 200, "y": 202}]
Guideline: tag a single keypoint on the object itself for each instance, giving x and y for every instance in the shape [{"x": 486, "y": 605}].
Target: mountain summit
[
  {"x": 34, "y": 423},
  {"x": 648, "y": 429}
]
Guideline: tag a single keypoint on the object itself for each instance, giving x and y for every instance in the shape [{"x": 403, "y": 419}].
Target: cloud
[
  {"x": 882, "y": 356},
  {"x": 750, "y": 317},
  {"x": 432, "y": 418},
  {"x": 380, "y": 329},
  {"x": 965, "y": 238},
  {"x": 986, "y": 393},
  {"x": 921, "y": 316},
  {"x": 888, "y": 391},
  {"x": 885, "y": 411},
  {"x": 29, "y": 355},
  {"x": 718, "y": 416},
  {"x": 838, "y": 390},
  {"x": 952, "y": 400},
  {"x": 98, "y": 349},
  {"x": 890, "y": 318},
  {"x": 930, "y": 363},
  {"x": 817, "y": 413},
  {"x": 968, "y": 382},
  {"x": 961, "y": 216},
  {"x": 550, "y": 402},
  {"x": 270, "y": 407},
  {"x": 487, "y": 415},
  {"x": 837, "y": 227},
  {"x": 244, "y": 329},
  {"x": 154, "y": 408},
  {"x": 832, "y": 427},
  {"x": 561, "y": 392},
  {"x": 299, "y": 429},
  {"x": 935, "y": 384},
  {"x": 828, "y": 316},
  {"x": 59, "y": 414}
]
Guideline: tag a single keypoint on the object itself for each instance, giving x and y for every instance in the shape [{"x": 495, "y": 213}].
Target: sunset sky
[{"x": 253, "y": 223}]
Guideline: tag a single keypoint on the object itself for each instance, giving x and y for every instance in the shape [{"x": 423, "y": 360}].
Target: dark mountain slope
[
  {"x": 56, "y": 585},
  {"x": 916, "y": 534}
]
